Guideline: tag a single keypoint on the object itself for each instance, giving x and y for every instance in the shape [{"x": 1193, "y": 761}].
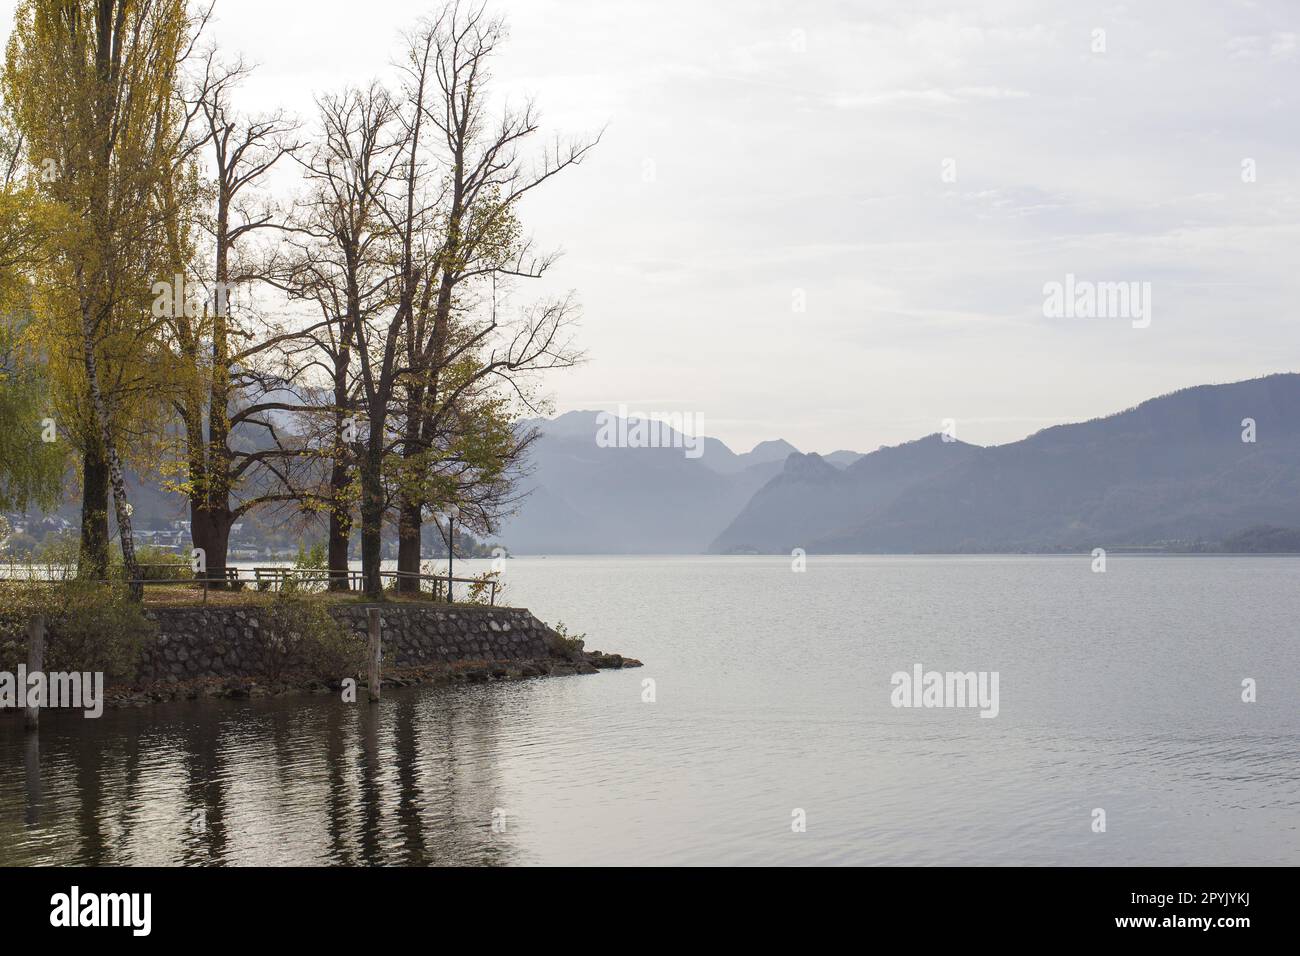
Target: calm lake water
[{"x": 1119, "y": 691}]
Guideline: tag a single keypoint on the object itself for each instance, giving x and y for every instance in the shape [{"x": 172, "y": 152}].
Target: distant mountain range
[
  {"x": 1174, "y": 471},
  {"x": 1171, "y": 473},
  {"x": 588, "y": 499}
]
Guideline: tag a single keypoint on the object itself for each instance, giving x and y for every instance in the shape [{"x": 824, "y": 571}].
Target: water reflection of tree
[
  {"x": 205, "y": 839},
  {"x": 370, "y": 769},
  {"x": 339, "y": 725},
  {"x": 87, "y": 754},
  {"x": 429, "y": 765},
  {"x": 412, "y": 781},
  {"x": 409, "y": 803}
]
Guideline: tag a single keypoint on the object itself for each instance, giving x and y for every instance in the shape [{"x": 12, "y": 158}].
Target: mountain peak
[
  {"x": 775, "y": 449},
  {"x": 773, "y": 446}
]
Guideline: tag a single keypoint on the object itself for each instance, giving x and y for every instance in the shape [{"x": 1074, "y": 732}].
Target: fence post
[
  {"x": 35, "y": 664},
  {"x": 376, "y": 649}
]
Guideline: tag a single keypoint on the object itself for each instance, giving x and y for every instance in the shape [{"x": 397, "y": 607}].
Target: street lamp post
[{"x": 451, "y": 512}]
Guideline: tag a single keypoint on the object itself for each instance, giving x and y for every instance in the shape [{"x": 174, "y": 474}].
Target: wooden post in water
[
  {"x": 35, "y": 665},
  {"x": 376, "y": 649}
]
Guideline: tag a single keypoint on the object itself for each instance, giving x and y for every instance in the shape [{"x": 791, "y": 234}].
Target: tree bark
[
  {"x": 340, "y": 526},
  {"x": 410, "y": 522},
  {"x": 92, "y": 560},
  {"x": 372, "y": 521},
  {"x": 217, "y": 487},
  {"x": 122, "y": 507},
  {"x": 220, "y": 545},
  {"x": 410, "y": 510},
  {"x": 210, "y": 530}
]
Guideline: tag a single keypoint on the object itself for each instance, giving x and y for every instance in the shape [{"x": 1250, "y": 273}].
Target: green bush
[
  {"x": 88, "y": 626},
  {"x": 21, "y": 546},
  {"x": 302, "y": 638},
  {"x": 480, "y": 592},
  {"x": 54, "y": 559},
  {"x": 313, "y": 558},
  {"x": 156, "y": 564},
  {"x": 58, "y": 555},
  {"x": 571, "y": 645},
  {"x": 314, "y": 561}
]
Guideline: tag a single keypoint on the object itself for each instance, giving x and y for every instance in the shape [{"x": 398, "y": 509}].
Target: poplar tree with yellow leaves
[
  {"x": 30, "y": 464},
  {"x": 92, "y": 86}
]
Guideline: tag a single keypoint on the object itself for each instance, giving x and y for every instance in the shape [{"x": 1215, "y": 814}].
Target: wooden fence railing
[{"x": 258, "y": 578}]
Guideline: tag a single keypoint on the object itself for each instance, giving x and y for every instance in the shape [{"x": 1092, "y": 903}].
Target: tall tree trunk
[
  {"x": 372, "y": 523},
  {"x": 341, "y": 472},
  {"x": 200, "y": 529},
  {"x": 92, "y": 560},
  {"x": 220, "y": 544},
  {"x": 126, "y": 536},
  {"x": 340, "y": 525},
  {"x": 217, "y": 490},
  {"x": 410, "y": 511},
  {"x": 410, "y": 527},
  {"x": 202, "y": 535},
  {"x": 116, "y": 480},
  {"x": 210, "y": 530}
]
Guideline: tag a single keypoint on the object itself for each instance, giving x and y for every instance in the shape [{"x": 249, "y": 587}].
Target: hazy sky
[{"x": 758, "y": 154}]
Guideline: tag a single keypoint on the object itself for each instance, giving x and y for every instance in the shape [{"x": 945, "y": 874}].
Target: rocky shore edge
[{"x": 563, "y": 662}]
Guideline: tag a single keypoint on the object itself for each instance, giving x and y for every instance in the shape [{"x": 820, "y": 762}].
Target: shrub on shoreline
[
  {"x": 566, "y": 643},
  {"x": 88, "y": 626},
  {"x": 156, "y": 564},
  {"x": 302, "y": 637},
  {"x": 481, "y": 592}
]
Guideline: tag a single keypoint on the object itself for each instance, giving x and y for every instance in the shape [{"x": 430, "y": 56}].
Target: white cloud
[{"x": 817, "y": 166}]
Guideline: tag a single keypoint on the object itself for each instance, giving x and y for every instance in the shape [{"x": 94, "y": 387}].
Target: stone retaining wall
[{"x": 224, "y": 642}]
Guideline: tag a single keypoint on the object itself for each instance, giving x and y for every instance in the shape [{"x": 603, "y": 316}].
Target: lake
[{"x": 771, "y": 703}]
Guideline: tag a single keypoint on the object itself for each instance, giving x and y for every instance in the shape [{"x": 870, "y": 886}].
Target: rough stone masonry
[{"x": 227, "y": 642}]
